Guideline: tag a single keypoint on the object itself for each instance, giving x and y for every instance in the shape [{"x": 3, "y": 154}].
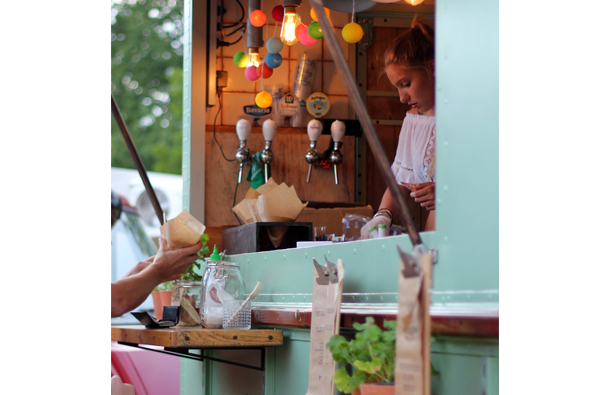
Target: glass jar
[
  {"x": 189, "y": 313},
  {"x": 221, "y": 281}
]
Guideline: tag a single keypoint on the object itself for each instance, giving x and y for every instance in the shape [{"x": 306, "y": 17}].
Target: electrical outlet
[{"x": 221, "y": 79}]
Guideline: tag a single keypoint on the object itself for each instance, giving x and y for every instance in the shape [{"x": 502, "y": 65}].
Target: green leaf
[
  {"x": 361, "y": 327},
  {"x": 391, "y": 325},
  {"x": 369, "y": 367},
  {"x": 338, "y": 346},
  {"x": 346, "y": 383}
]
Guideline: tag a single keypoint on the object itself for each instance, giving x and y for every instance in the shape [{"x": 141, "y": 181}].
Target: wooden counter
[
  {"x": 442, "y": 323},
  {"x": 196, "y": 338}
]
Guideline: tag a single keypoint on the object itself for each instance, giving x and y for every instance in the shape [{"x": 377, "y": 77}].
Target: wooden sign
[
  {"x": 325, "y": 322},
  {"x": 413, "y": 337}
]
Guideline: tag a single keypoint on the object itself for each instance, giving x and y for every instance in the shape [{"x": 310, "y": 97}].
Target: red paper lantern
[
  {"x": 264, "y": 70},
  {"x": 299, "y": 28},
  {"x": 258, "y": 18},
  {"x": 277, "y": 13}
]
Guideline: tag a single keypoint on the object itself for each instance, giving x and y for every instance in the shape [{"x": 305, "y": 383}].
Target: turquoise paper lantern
[{"x": 273, "y": 60}]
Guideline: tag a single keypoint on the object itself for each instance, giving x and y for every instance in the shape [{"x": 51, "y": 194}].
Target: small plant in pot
[{"x": 372, "y": 355}]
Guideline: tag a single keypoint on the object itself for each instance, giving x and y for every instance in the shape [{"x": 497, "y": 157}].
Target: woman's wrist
[{"x": 386, "y": 212}]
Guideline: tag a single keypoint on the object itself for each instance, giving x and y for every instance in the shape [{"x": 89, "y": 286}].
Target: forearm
[
  {"x": 387, "y": 201},
  {"x": 129, "y": 292}
]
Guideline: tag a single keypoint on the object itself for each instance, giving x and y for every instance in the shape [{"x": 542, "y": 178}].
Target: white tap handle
[
  {"x": 269, "y": 129},
  {"x": 243, "y": 128},
  {"x": 315, "y": 128},
  {"x": 338, "y": 130}
]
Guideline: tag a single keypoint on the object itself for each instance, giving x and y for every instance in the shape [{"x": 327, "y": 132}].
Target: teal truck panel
[
  {"x": 467, "y": 116},
  {"x": 467, "y": 238}
]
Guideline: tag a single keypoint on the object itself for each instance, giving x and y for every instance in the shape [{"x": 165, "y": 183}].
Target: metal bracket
[
  {"x": 411, "y": 266},
  {"x": 326, "y": 274},
  {"x": 367, "y": 26},
  {"x": 185, "y": 353}
]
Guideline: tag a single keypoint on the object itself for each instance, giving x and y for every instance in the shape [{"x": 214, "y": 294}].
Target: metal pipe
[
  {"x": 365, "y": 120},
  {"x": 139, "y": 165},
  {"x": 255, "y": 36}
]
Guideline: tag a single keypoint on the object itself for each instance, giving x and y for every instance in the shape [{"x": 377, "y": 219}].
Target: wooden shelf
[
  {"x": 441, "y": 324},
  {"x": 196, "y": 338},
  {"x": 257, "y": 130}
]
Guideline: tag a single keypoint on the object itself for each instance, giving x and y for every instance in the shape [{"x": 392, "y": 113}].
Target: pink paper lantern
[
  {"x": 300, "y": 28},
  {"x": 252, "y": 73},
  {"x": 305, "y": 38}
]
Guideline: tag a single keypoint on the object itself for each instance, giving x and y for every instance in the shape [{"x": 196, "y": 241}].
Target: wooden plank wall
[
  {"x": 385, "y": 108},
  {"x": 289, "y": 166},
  {"x": 291, "y": 144}
]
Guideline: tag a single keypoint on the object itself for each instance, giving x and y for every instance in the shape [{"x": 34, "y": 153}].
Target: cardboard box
[{"x": 326, "y": 214}]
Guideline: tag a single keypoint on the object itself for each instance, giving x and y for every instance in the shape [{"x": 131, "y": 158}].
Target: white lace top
[{"x": 415, "y": 149}]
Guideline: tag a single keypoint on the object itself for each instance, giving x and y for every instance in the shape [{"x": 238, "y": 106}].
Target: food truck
[{"x": 224, "y": 119}]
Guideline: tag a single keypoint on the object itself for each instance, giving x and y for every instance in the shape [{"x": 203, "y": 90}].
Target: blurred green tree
[{"x": 147, "y": 81}]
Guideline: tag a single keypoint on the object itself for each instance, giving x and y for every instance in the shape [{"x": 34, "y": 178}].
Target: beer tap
[
  {"x": 338, "y": 130},
  {"x": 242, "y": 128},
  {"x": 314, "y": 128},
  {"x": 266, "y": 156}
]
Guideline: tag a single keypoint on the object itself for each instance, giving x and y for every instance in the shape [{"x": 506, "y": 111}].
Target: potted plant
[{"x": 372, "y": 355}]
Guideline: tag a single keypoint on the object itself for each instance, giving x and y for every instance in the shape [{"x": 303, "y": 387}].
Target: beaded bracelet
[{"x": 385, "y": 211}]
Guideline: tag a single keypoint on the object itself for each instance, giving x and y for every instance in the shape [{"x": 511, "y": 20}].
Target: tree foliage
[{"x": 147, "y": 81}]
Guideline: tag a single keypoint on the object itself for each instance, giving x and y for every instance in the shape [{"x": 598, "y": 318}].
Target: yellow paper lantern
[
  {"x": 352, "y": 33},
  {"x": 263, "y": 99},
  {"x": 313, "y": 15}
]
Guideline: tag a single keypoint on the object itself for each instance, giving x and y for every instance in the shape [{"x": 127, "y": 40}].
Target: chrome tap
[
  {"x": 242, "y": 128},
  {"x": 266, "y": 156},
  {"x": 338, "y": 130},
  {"x": 314, "y": 129}
]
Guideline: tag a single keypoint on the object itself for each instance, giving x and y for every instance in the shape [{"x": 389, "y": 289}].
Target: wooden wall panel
[
  {"x": 382, "y": 107},
  {"x": 382, "y": 38},
  {"x": 288, "y": 166},
  {"x": 375, "y": 182}
]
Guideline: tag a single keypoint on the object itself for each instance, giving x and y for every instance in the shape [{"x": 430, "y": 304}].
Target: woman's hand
[
  {"x": 425, "y": 195},
  {"x": 364, "y": 231}
]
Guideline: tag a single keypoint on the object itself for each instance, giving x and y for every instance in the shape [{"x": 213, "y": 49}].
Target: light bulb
[
  {"x": 291, "y": 20},
  {"x": 414, "y": 2},
  {"x": 254, "y": 59}
]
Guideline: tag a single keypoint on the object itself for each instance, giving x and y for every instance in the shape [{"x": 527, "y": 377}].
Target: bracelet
[{"x": 386, "y": 212}]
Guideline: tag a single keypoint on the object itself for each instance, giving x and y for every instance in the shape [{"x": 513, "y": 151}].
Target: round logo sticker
[{"x": 317, "y": 104}]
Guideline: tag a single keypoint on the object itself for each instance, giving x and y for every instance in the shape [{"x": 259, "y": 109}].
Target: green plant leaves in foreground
[
  {"x": 347, "y": 383},
  {"x": 371, "y": 354}
]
